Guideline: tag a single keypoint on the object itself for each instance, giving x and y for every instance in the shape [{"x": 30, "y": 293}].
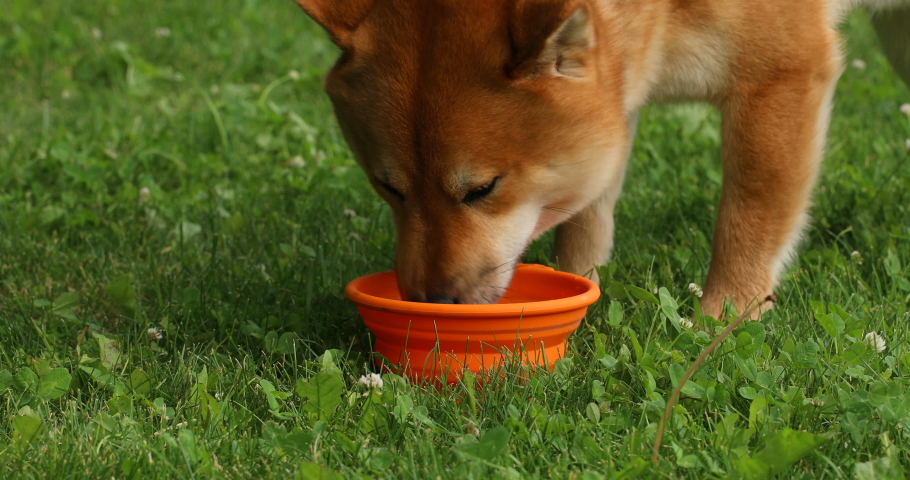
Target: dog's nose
[{"x": 442, "y": 298}]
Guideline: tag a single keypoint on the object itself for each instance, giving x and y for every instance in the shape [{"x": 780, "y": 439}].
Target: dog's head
[{"x": 482, "y": 124}]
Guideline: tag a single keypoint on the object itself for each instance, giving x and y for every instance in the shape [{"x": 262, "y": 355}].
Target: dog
[{"x": 484, "y": 123}]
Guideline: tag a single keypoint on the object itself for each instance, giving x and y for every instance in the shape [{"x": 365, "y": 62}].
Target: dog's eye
[
  {"x": 480, "y": 192},
  {"x": 392, "y": 191}
]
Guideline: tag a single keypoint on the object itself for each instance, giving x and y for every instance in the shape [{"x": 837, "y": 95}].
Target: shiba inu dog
[{"x": 484, "y": 123}]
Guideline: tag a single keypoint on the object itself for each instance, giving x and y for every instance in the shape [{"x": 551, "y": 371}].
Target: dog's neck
[
  {"x": 670, "y": 51},
  {"x": 688, "y": 50}
]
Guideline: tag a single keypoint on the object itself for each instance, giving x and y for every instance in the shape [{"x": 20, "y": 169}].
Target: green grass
[{"x": 241, "y": 247}]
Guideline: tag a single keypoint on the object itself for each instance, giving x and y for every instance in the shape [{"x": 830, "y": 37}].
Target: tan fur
[{"x": 437, "y": 98}]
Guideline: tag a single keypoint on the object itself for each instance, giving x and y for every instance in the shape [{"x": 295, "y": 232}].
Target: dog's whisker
[
  {"x": 568, "y": 213},
  {"x": 513, "y": 262},
  {"x": 496, "y": 268},
  {"x": 573, "y": 164},
  {"x": 565, "y": 211}
]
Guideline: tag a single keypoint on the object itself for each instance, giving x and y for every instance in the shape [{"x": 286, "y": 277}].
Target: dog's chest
[{"x": 693, "y": 66}]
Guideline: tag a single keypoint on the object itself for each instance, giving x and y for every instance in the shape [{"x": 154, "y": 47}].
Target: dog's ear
[
  {"x": 549, "y": 36},
  {"x": 338, "y": 17}
]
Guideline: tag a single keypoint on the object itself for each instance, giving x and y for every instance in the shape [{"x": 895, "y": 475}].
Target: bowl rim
[{"x": 544, "y": 307}]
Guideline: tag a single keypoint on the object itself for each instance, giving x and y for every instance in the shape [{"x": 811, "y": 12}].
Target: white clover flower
[
  {"x": 686, "y": 323},
  {"x": 96, "y": 32},
  {"x": 162, "y": 32},
  {"x": 111, "y": 153},
  {"x": 265, "y": 275},
  {"x": 875, "y": 341},
  {"x": 349, "y": 213},
  {"x": 858, "y": 64},
  {"x": 144, "y": 194},
  {"x": 696, "y": 290},
  {"x": 294, "y": 75},
  {"x": 817, "y": 402},
  {"x": 471, "y": 429},
  {"x": 856, "y": 256},
  {"x": 905, "y": 109},
  {"x": 154, "y": 334},
  {"x": 371, "y": 380},
  {"x": 297, "y": 162},
  {"x": 65, "y": 94}
]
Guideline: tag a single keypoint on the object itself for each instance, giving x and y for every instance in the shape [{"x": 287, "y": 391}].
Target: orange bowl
[{"x": 438, "y": 342}]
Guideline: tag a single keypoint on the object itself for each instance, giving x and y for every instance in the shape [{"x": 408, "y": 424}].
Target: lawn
[{"x": 179, "y": 216}]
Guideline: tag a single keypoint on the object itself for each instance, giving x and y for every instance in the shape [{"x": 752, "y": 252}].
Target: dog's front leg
[
  {"x": 773, "y": 136},
  {"x": 586, "y": 239}
]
